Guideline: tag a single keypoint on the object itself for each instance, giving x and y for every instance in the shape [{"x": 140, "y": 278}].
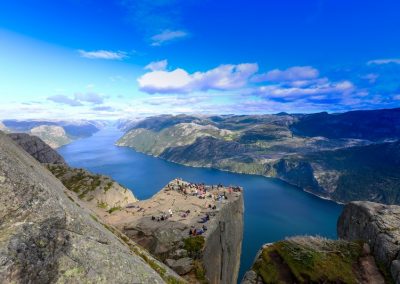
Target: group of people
[
  {"x": 163, "y": 217},
  {"x": 197, "y": 232}
]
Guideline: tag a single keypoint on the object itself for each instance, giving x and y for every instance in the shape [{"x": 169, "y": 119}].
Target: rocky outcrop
[
  {"x": 53, "y": 135},
  {"x": 314, "y": 260},
  {"x": 99, "y": 193},
  {"x": 379, "y": 226},
  {"x": 162, "y": 225},
  {"x": 37, "y": 148},
  {"x": 47, "y": 238}
]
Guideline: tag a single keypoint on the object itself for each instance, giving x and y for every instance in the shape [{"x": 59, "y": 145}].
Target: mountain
[
  {"x": 54, "y": 136},
  {"x": 296, "y": 148},
  {"x": 370, "y": 173},
  {"x": 372, "y": 125},
  {"x": 55, "y": 133}
]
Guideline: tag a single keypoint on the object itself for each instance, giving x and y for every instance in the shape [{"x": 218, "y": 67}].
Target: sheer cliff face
[
  {"x": 379, "y": 226},
  {"x": 45, "y": 237},
  {"x": 221, "y": 257}
]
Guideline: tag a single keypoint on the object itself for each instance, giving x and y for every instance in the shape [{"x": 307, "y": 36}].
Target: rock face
[
  {"x": 379, "y": 226},
  {"x": 37, "y": 148},
  {"x": 53, "y": 135},
  {"x": 213, "y": 254},
  {"x": 46, "y": 238}
]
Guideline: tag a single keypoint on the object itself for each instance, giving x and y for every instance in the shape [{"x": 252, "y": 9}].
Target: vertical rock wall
[{"x": 221, "y": 257}]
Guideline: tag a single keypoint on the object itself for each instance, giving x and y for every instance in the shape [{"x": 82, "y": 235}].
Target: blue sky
[{"x": 129, "y": 58}]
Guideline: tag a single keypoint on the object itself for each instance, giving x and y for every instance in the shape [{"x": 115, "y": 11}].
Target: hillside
[
  {"x": 55, "y": 133},
  {"x": 54, "y": 136},
  {"x": 48, "y": 238},
  {"x": 294, "y": 148}
]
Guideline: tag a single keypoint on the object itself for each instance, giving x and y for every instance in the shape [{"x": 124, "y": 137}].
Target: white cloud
[
  {"x": 384, "y": 61},
  {"x": 103, "y": 54},
  {"x": 296, "y": 73},
  {"x": 371, "y": 78},
  {"x": 78, "y": 99},
  {"x": 91, "y": 97},
  {"x": 312, "y": 92},
  {"x": 157, "y": 65},
  {"x": 224, "y": 77},
  {"x": 62, "y": 99},
  {"x": 166, "y": 36}
]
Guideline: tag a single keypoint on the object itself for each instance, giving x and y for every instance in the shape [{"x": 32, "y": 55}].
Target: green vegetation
[
  {"x": 194, "y": 246},
  {"x": 199, "y": 271},
  {"x": 102, "y": 204},
  {"x": 309, "y": 260},
  {"x": 113, "y": 209}
]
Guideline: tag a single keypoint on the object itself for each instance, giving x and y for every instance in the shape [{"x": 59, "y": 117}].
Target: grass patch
[
  {"x": 310, "y": 260},
  {"x": 113, "y": 209},
  {"x": 194, "y": 246},
  {"x": 199, "y": 271},
  {"x": 102, "y": 204}
]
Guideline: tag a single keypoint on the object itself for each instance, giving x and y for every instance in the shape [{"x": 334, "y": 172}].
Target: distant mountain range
[
  {"x": 343, "y": 157},
  {"x": 54, "y": 133}
]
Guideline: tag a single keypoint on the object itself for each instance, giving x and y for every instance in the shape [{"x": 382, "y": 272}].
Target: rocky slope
[
  {"x": 368, "y": 251},
  {"x": 296, "y": 148},
  {"x": 52, "y": 135},
  {"x": 47, "y": 238},
  {"x": 100, "y": 193},
  {"x": 37, "y": 148},
  {"x": 379, "y": 226}
]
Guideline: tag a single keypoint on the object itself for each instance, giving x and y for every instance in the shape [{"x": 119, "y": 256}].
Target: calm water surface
[{"x": 273, "y": 209}]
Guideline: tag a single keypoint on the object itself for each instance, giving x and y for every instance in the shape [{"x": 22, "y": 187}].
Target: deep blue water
[{"x": 273, "y": 209}]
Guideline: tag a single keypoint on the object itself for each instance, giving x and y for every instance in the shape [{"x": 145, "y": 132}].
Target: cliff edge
[{"x": 195, "y": 229}]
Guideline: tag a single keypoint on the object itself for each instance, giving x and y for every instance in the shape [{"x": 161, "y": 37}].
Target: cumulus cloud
[
  {"x": 167, "y": 36},
  {"x": 157, "y": 65},
  {"x": 384, "y": 61},
  {"x": 292, "y": 74},
  {"x": 62, "y": 99},
  {"x": 103, "y": 54},
  {"x": 223, "y": 77}
]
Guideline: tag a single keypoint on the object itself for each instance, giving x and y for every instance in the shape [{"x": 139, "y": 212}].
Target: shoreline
[{"x": 241, "y": 173}]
